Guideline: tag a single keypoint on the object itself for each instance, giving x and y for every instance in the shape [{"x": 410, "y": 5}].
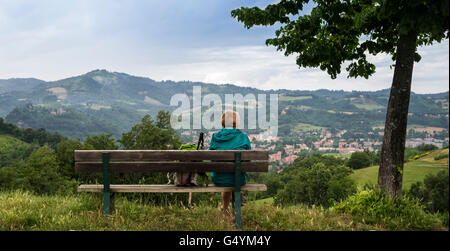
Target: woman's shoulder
[
  {"x": 245, "y": 140},
  {"x": 243, "y": 134}
]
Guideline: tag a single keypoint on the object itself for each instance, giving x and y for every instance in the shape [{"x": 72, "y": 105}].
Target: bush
[
  {"x": 441, "y": 156},
  {"x": 444, "y": 218},
  {"x": 318, "y": 185},
  {"x": 359, "y": 160},
  {"x": 426, "y": 147},
  {"x": 370, "y": 206},
  {"x": 432, "y": 192},
  {"x": 40, "y": 174}
]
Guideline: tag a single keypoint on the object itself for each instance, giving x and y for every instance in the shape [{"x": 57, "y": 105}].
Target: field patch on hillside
[
  {"x": 307, "y": 127},
  {"x": 369, "y": 107},
  {"x": 291, "y": 98},
  {"x": 60, "y": 92}
]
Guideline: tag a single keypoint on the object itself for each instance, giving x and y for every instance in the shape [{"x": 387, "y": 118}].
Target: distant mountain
[
  {"x": 111, "y": 102},
  {"x": 18, "y": 84}
]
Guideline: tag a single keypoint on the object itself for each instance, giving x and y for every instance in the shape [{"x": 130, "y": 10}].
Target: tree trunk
[{"x": 390, "y": 174}]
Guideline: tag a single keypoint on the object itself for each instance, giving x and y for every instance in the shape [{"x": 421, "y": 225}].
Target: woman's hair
[{"x": 230, "y": 118}]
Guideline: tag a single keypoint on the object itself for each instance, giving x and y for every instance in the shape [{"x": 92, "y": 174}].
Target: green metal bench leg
[
  {"x": 106, "y": 185},
  {"x": 237, "y": 189}
]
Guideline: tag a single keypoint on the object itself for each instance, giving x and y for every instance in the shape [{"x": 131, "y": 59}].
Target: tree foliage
[
  {"x": 41, "y": 174},
  {"x": 102, "y": 142},
  {"x": 29, "y": 135},
  {"x": 359, "y": 160},
  {"x": 335, "y": 32},
  {"x": 314, "y": 180},
  {"x": 150, "y": 134},
  {"x": 433, "y": 191}
]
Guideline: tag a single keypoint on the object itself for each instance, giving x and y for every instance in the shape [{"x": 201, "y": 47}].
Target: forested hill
[
  {"x": 16, "y": 134},
  {"x": 19, "y": 84},
  {"x": 111, "y": 102}
]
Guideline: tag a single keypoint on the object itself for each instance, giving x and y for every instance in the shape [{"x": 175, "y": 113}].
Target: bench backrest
[{"x": 132, "y": 161}]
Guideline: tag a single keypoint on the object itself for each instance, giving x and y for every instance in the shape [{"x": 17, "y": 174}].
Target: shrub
[
  {"x": 318, "y": 185},
  {"x": 359, "y": 160},
  {"x": 40, "y": 174},
  {"x": 441, "y": 156},
  {"x": 444, "y": 218},
  {"x": 426, "y": 147},
  {"x": 370, "y": 206},
  {"x": 432, "y": 192}
]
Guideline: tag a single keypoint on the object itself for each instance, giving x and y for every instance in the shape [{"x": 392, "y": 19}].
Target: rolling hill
[
  {"x": 113, "y": 102},
  {"x": 12, "y": 149}
]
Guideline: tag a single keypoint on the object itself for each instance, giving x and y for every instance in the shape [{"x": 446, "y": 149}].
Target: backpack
[{"x": 188, "y": 179}]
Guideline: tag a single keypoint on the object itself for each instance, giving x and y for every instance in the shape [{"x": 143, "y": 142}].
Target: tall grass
[{"x": 24, "y": 211}]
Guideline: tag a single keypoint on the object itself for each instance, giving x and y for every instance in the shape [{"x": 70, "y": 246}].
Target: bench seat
[{"x": 167, "y": 188}]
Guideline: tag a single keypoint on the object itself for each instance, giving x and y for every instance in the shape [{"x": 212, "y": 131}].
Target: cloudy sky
[{"x": 195, "y": 40}]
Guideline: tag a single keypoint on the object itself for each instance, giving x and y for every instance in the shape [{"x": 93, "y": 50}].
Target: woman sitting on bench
[{"x": 228, "y": 138}]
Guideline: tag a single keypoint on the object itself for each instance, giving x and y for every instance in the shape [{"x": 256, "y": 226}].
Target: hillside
[
  {"x": 414, "y": 170},
  {"x": 119, "y": 100},
  {"x": 19, "y": 84},
  {"x": 71, "y": 122},
  {"x": 12, "y": 149}
]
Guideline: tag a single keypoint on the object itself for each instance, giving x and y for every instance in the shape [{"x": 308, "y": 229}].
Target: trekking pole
[
  {"x": 200, "y": 147},
  {"x": 200, "y": 141}
]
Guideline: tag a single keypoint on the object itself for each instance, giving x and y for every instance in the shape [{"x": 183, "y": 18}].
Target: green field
[
  {"x": 413, "y": 171},
  {"x": 290, "y": 98},
  {"x": 266, "y": 201},
  {"x": 307, "y": 127},
  {"x": 7, "y": 142},
  {"x": 339, "y": 155},
  {"x": 299, "y": 107},
  {"x": 369, "y": 107}
]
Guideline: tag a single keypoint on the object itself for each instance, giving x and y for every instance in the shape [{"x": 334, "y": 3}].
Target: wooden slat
[
  {"x": 134, "y": 167},
  {"x": 167, "y": 188},
  {"x": 155, "y": 155}
]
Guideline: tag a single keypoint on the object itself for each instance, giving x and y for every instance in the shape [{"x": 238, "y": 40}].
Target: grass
[
  {"x": 413, "y": 171},
  {"x": 82, "y": 211},
  {"x": 8, "y": 143},
  {"x": 365, "y": 104},
  {"x": 25, "y": 211},
  {"x": 300, "y": 107},
  {"x": 307, "y": 127},
  {"x": 368, "y": 106},
  {"x": 339, "y": 155},
  {"x": 266, "y": 201},
  {"x": 290, "y": 98}
]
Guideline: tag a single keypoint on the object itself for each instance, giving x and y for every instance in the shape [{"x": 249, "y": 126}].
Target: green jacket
[{"x": 228, "y": 139}]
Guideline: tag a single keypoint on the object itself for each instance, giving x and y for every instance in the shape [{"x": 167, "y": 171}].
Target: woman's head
[{"x": 230, "y": 119}]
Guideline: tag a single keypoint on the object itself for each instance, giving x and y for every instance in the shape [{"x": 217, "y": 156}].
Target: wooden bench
[{"x": 138, "y": 161}]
